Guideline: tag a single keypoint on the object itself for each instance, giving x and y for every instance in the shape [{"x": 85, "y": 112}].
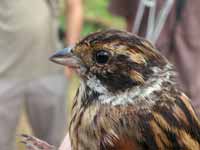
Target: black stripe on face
[
  {"x": 116, "y": 81},
  {"x": 116, "y": 74}
]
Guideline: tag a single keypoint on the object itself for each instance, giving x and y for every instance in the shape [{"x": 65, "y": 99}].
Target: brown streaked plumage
[{"x": 128, "y": 98}]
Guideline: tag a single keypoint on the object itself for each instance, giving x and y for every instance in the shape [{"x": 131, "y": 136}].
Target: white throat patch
[{"x": 130, "y": 95}]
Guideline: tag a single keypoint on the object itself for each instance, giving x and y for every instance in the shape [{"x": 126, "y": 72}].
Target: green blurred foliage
[
  {"x": 98, "y": 9},
  {"x": 97, "y": 17}
]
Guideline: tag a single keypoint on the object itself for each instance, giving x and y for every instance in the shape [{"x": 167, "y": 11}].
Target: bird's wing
[
  {"x": 170, "y": 124},
  {"x": 174, "y": 124}
]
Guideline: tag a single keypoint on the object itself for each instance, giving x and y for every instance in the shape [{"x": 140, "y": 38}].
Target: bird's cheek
[{"x": 136, "y": 76}]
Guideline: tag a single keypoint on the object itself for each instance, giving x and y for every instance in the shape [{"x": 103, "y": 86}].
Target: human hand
[
  {"x": 33, "y": 143},
  {"x": 66, "y": 145}
]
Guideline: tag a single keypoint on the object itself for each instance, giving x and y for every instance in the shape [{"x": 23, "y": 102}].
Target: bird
[{"x": 129, "y": 97}]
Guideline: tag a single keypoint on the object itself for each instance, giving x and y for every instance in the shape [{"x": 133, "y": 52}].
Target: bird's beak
[{"x": 66, "y": 57}]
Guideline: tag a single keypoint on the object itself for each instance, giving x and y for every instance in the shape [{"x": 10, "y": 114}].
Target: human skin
[
  {"x": 65, "y": 144},
  {"x": 74, "y": 22}
]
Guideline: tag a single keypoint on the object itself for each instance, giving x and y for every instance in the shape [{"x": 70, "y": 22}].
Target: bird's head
[{"x": 114, "y": 59}]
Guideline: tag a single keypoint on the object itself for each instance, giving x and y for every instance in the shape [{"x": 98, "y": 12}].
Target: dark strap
[{"x": 180, "y": 4}]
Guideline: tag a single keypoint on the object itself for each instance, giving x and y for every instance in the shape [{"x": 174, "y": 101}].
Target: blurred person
[
  {"x": 28, "y": 36},
  {"x": 74, "y": 23},
  {"x": 179, "y": 40},
  {"x": 126, "y": 9},
  {"x": 74, "y": 20}
]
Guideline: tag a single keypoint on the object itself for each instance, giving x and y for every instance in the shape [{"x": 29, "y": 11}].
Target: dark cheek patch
[
  {"x": 116, "y": 82},
  {"x": 116, "y": 75},
  {"x": 121, "y": 73}
]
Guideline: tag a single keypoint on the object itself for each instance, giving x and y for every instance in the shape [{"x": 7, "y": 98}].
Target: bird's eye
[{"x": 102, "y": 57}]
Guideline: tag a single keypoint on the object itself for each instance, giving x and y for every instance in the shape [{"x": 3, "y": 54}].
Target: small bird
[{"x": 128, "y": 98}]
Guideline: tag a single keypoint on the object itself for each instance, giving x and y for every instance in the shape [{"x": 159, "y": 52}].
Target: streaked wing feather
[
  {"x": 174, "y": 125},
  {"x": 169, "y": 125}
]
